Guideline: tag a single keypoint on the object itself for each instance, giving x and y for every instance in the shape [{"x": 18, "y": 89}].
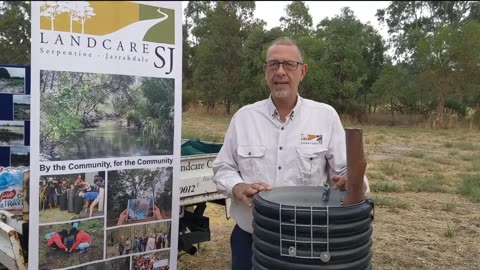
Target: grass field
[{"x": 426, "y": 187}]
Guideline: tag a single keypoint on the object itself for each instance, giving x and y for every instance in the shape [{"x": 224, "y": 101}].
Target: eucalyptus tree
[
  {"x": 15, "y": 32},
  {"x": 352, "y": 59},
  {"x": 298, "y": 21},
  {"x": 439, "y": 39},
  {"x": 218, "y": 59}
]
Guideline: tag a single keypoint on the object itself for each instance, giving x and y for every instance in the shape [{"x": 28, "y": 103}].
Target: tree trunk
[
  {"x": 228, "y": 107},
  {"x": 392, "y": 111},
  {"x": 439, "y": 121}
]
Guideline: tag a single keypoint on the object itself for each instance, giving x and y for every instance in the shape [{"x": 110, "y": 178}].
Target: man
[
  {"x": 136, "y": 245},
  {"x": 150, "y": 242},
  {"x": 52, "y": 193},
  {"x": 121, "y": 245},
  {"x": 79, "y": 182},
  {"x": 158, "y": 241},
  {"x": 284, "y": 140},
  {"x": 128, "y": 245},
  {"x": 99, "y": 186},
  {"x": 89, "y": 196}
]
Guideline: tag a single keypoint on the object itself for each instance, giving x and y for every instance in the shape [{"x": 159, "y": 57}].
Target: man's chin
[{"x": 280, "y": 93}]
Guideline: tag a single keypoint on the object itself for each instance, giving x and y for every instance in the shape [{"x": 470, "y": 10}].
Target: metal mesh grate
[{"x": 316, "y": 249}]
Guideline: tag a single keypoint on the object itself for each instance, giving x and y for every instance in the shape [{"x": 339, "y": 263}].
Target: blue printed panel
[
  {"x": 15, "y": 109},
  {"x": 6, "y": 107}
]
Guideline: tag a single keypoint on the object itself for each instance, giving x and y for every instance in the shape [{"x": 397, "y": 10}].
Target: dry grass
[
  {"x": 426, "y": 185},
  {"x": 209, "y": 126}
]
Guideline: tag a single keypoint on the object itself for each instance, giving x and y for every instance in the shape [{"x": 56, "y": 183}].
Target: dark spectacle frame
[{"x": 287, "y": 65}]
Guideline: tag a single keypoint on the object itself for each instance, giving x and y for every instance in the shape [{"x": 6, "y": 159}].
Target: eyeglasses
[{"x": 287, "y": 65}]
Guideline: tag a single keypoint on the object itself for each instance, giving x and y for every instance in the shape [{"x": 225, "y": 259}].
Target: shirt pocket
[
  {"x": 251, "y": 162},
  {"x": 311, "y": 163}
]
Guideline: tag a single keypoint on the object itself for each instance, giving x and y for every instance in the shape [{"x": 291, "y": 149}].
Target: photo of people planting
[
  {"x": 71, "y": 196},
  {"x": 69, "y": 244}
]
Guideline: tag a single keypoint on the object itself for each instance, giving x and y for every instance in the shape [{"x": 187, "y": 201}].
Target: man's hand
[
  {"x": 156, "y": 213},
  {"x": 245, "y": 192},
  {"x": 340, "y": 182},
  {"x": 123, "y": 217}
]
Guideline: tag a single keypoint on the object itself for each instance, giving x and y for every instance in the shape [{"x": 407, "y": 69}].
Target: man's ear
[{"x": 304, "y": 71}]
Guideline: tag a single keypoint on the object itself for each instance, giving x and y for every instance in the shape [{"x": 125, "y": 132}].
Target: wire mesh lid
[{"x": 303, "y": 196}]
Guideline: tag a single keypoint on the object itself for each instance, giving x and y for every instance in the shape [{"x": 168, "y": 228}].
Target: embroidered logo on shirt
[{"x": 310, "y": 139}]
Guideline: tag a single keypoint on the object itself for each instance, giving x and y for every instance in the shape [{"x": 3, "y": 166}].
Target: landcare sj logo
[
  {"x": 311, "y": 139},
  {"x": 124, "y": 29}
]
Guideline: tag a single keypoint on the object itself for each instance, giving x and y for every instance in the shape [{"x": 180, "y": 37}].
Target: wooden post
[{"x": 356, "y": 166}]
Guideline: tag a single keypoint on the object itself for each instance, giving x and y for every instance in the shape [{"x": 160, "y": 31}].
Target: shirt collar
[{"x": 272, "y": 110}]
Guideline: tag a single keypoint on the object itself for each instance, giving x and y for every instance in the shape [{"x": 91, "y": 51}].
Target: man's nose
[{"x": 281, "y": 70}]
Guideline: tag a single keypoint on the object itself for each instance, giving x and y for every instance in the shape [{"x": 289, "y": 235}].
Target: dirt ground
[
  {"x": 421, "y": 219},
  {"x": 214, "y": 254},
  {"x": 402, "y": 239}
]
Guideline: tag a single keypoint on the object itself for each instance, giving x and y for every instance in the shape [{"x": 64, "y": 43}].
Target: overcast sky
[
  {"x": 271, "y": 11},
  {"x": 16, "y": 72},
  {"x": 19, "y": 150},
  {"x": 21, "y": 99}
]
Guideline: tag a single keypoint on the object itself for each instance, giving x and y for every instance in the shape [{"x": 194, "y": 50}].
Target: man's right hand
[{"x": 245, "y": 192}]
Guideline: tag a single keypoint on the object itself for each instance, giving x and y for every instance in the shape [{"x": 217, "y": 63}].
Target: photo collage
[
  {"x": 81, "y": 224},
  {"x": 14, "y": 116},
  {"x": 111, "y": 216},
  {"x": 14, "y": 136}
]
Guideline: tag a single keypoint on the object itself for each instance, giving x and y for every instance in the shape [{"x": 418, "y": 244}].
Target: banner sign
[{"x": 105, "y": 134}]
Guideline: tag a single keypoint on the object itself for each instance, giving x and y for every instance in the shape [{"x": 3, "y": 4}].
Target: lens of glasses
[{"x": 287, "y": 65}]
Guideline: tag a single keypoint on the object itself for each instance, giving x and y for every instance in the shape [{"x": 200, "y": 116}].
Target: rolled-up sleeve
[{"x": 225, "y": 166}]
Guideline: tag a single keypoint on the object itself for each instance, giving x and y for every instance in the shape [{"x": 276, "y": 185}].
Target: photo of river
[
  {"x": 21, "y": 107},
  {"x": 12, "y": 80},
  {"x": 89, "y": 115},
  {"x": 109, "y": 139},
  {"x": 11, "y": 133}
]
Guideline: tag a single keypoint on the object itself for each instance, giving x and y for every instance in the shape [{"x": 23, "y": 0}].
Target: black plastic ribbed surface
[{"x": 304, "y": 219}]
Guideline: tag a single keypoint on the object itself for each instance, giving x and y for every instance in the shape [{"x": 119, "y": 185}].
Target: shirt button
[
  {"x": 249, "y": 153},
  {"x": 280, "y": 148},
  {"x": 282, "y": 128},
  {"x": 311, "y": 158},
  {"x": 279, "y": 167}
]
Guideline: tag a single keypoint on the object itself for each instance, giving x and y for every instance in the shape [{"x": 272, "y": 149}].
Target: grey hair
[{"x": 289, "y": 42}]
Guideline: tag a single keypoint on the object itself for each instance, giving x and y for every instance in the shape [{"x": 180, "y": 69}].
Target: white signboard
[{"x": 105, "y": 134}]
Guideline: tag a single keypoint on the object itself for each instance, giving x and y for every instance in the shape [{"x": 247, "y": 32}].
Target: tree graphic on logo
[
  {"x": 83, "y": 11},
  {"x": 50, "y": 9},
  {"x": 102, "y": 18},
  {"x": 77, "y": 11}
]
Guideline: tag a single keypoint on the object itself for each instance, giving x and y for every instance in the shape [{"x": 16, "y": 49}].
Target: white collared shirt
[{"x": 307, "y": 149}]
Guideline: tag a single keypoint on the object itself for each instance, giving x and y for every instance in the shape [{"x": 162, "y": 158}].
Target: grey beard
[{"x": 280, "y": 94}]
